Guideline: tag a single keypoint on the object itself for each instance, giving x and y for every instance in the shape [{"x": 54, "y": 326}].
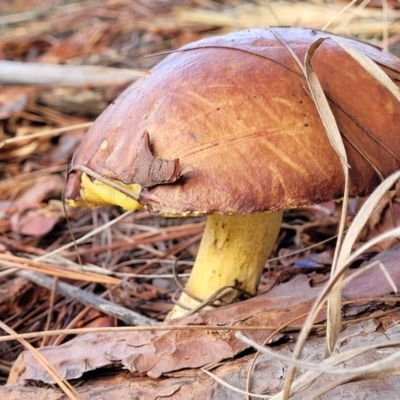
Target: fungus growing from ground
[{"x": 226, "y": 127}]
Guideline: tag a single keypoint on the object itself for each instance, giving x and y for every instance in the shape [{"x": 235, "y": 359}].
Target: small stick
[
  {"x": 89, "y": 299},
  {"x": 24, "y": 73}
]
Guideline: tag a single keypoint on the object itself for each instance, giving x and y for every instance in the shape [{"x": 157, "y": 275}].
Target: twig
[
  {"x": 21, "y": 73},
  {"x": 47, "y": 133},
  {"x": 89, "y": 299},
  {"x": 54, "y": 270}
]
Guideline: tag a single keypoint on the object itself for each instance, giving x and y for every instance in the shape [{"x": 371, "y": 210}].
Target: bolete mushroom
[{"x": 226, "y": 127}]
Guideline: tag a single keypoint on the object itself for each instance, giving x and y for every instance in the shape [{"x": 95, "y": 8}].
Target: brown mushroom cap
[{"x": 236, "y": 112}]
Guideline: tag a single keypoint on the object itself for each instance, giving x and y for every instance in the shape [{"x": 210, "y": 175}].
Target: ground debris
[
  {"x": 40, "y": 128},
  {"x": 267, "y": 377}
]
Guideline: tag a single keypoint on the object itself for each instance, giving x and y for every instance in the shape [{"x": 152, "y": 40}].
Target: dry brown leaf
[
  {"x": 345, "y": 258},
  {"x": 373, "y": 281},
  {"x": 37, "y": 222},
  {"x": 43, "y": 187},
  {"x": 266, "y": 378},
  {"x": 157, "y": 353},
  {"x": 31, "y": 216},
  {"x": 13, "y": 100}
]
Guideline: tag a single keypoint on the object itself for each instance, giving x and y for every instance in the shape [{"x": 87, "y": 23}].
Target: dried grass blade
[
  {"x": 322, "y": 105},
  {"x": 387, "y": 364},
  {"x": 288, "y": 49},
  {"x": 333, "y": 133},
  {"x": 342, "y": 252},
  {"x": 55, "y": 270},
  {"x": 367, "y": 268},
  {"x": 384, "y": 364},
  {"x": 233, "y": 388},
  {"x": 334, "y": 280},
  {"x": 83, "y": 238},
  {"x": 371, "y": 67},
  {"x": 361, "y": 217},
  {"x": 355, "y": 12},
  {"x": 334, "y": 304},
  {"x": 318, "y": 393},
  {"x": 64, "y": 385},
  {"x": 338, "y": 14}
]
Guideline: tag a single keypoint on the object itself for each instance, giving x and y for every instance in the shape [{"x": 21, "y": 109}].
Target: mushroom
[{"x": 226, "y": 127}]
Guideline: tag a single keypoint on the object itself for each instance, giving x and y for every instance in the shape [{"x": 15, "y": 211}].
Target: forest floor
[{"x": 130, "y": 258}]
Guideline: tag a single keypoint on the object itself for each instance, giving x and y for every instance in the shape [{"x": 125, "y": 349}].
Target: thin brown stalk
[{"x": 64, "y": 385}]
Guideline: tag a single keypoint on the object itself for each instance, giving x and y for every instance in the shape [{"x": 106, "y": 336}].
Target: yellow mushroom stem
[{"x": 233, "y": 252}]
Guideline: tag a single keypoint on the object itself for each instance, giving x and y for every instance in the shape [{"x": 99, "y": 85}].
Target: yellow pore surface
[{"x": 95, "y": 193}]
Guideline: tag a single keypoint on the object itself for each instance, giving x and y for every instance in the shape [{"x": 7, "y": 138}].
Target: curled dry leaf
[
  {"x": 32, "y": 217},
  {"x": 36, "y": 222}
]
